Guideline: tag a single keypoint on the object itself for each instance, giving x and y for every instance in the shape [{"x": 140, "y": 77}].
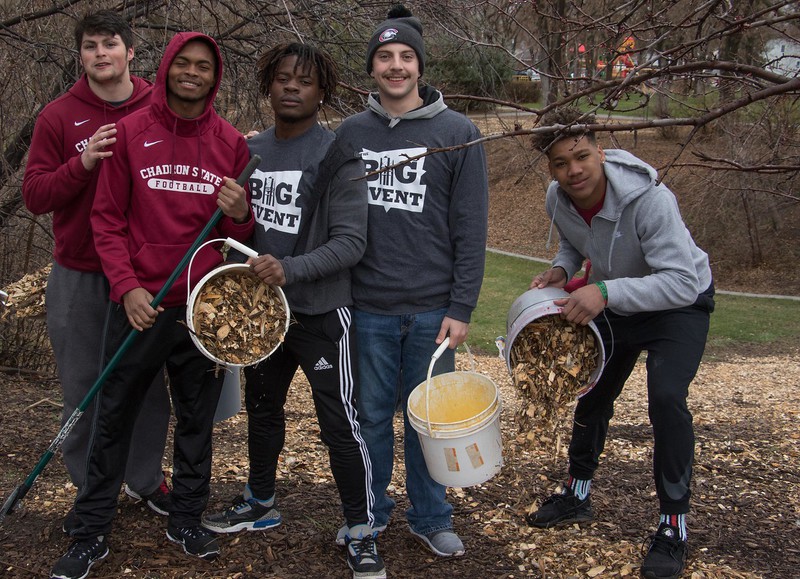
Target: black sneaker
[
  {"x": 79, "y": 558},
  {"x": 196, "y": 541},
  {"x": 561, "y": 509},
  {"x": 70, "y": 522},
  {"x": 666, "y": 554},
  {"x": 243, "y": 514},
  {"x": 363, "y": 558},
  {"x": 160, "y": 500}
]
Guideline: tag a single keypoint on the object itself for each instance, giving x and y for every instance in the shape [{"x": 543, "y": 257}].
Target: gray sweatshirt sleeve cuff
[{"x": 459, "y": 312}]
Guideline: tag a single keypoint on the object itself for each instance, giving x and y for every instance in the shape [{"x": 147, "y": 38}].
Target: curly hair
[
  {"x": 567, "y": 117},
  {"x": 308, "y": 57}
]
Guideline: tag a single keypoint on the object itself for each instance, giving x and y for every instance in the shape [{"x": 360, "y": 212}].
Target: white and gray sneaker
[
  {"x": 444, "y": 542},
  {"x": 362, "y": 555},
  {"x": 341, "y": 536},
  {"x": 243, "y": 514}
]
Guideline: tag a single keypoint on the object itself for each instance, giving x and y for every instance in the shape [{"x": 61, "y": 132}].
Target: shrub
[{"x": 523, "y": 91}]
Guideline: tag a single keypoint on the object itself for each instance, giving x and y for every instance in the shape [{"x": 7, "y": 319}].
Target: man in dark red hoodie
[
  {"x": 73, "y": 134},
  {"x": 168, "y": 175}
]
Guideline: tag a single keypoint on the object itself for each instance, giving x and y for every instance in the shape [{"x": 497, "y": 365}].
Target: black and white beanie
[{"x": 402, "y": 27}]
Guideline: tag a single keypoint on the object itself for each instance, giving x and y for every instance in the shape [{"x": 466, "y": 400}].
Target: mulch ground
[{"x": 745, "y": 521}]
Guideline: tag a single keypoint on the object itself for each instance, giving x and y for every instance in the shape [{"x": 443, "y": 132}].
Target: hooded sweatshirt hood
[
  {"x": 629, "y": 177},
  {"x": 180, "y": 125},
  {"x": 432, "y": 104}
]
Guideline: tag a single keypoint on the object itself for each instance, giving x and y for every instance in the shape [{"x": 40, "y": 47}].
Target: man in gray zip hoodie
[{"x": 650, "y": 289}]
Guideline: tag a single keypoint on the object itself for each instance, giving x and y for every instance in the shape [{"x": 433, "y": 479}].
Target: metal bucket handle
[
  {"x": 230, "y": 243},
  {"x": 442, "y": 347}
]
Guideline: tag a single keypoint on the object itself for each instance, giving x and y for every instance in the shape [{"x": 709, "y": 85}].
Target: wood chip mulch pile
[{"x": 26, "y": 295}]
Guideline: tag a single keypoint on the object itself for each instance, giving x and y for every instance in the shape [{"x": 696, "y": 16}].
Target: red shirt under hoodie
[
  {"x": 159, "y": 189},
  {"x": 55, "y": 179}
]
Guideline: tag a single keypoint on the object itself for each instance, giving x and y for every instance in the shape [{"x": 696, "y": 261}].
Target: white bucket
[
  {"x": 230, "y": 399},
  {"x": 226, "y": 269},
  {"x": 537, "y": 303},
  {"x": 457, "y": 418}
]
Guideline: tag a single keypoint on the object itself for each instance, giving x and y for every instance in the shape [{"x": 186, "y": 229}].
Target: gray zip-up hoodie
[{"x": 638, "y": 243}]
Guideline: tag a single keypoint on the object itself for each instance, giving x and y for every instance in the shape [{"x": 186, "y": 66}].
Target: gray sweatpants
[{"x": 77, "y": 305}]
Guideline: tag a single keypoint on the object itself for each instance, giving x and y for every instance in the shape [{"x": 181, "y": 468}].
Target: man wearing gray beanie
[
  {"x": 400, "y": 27},
  {"x": 421, "y": 274}
]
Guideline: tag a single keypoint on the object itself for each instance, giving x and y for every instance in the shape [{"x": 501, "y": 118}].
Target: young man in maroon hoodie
[
  {"x": 169, "y": 174},
  {"x": 73, "y": 135}
]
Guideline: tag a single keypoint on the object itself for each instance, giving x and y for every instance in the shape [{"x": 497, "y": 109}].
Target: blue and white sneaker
[{"x": 243, "y": 515}]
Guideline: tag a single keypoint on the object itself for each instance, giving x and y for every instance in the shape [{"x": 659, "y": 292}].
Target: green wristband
[{"x": 603, "y": 290}]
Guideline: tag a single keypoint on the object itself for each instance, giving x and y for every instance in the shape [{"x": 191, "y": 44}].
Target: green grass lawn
[{"x": 736, "y": 320}]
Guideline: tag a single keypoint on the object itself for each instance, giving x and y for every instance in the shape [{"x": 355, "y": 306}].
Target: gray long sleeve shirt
[{"x": 318, "y": 274}]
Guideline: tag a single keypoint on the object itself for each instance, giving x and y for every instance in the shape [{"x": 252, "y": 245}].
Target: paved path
[{"x": 724, "y": 292}]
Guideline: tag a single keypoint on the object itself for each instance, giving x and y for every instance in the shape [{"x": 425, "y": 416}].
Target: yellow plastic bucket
[{"x": 457, "y": 418}]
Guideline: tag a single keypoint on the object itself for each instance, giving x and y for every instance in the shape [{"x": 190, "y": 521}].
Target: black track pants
[
  {"x": 195, "y": 386},
  {"x": 324, "y": 347},
  {"x": 674, "y": 341}
]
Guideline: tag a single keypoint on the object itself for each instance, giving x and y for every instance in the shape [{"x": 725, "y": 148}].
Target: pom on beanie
[{"x": 402, "y": 27}]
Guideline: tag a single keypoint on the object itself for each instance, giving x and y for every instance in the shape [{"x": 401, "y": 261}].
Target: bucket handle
[
  {"x": 442, "y": 347},
  {"x": 230, "y": 242}
]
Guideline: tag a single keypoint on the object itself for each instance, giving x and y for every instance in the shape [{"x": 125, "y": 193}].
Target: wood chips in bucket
[
  {"x": 26, "y": 295},
  {"x": 553, "y": 359},
  {"x": 238, "y": 318}
]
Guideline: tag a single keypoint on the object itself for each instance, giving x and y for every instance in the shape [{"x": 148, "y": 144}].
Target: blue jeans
[{"x": 394, "y": 353}]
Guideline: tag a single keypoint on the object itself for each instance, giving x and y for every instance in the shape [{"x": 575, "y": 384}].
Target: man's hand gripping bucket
[{"x": 457, "y": 418}]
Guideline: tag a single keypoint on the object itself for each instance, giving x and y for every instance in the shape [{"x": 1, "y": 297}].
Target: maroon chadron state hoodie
[
  {"x": 55, "y": 179},
  {"x": 160, "y": 189}
]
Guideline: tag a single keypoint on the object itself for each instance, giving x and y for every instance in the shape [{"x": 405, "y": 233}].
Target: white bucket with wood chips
[
  {"x": 255, "y": 356},
  {"x": 230, "y": 399},
  {"x": 535, "y": 304},
  {"x": 457, "y": 418}
]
